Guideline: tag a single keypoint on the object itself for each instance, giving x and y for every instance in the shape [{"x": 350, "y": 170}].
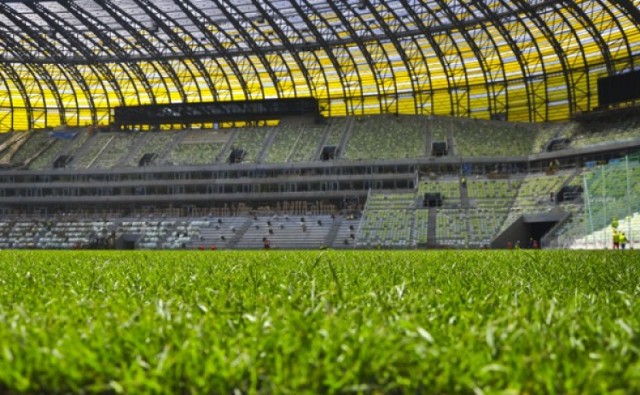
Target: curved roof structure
[{"x": 71, "y": 61}]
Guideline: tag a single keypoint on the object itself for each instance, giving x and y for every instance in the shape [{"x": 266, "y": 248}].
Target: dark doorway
[{"x": 537, "y": 230}]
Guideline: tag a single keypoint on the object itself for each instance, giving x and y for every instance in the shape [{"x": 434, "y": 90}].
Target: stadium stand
[
  {"x": 155, "y": 143},
  {"x": 492, "y": 138},
  {"x": 287, "y": 232},
  {"x": 197, "y": 147},
  {"x": 395, "y": 137},
  {"x": 335, "y": 134},
  {"x": 597, "y": 132},
  {"x": 285, "y": 142},
  {"x": 386, "y": 228},
  {"x": 252, "y": 141},
  {"x": 534, "y": 195},
  {"x": 307, "y": 144},
  {"x": 86, "y": 155},
  {"x": 448, "y": 187},
  {"x": 115, "y": 150},
  {"x": 386, "y": 137}
]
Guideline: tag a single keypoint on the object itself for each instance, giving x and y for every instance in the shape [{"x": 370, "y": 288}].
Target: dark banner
[
  {"x": 189, "y": 113},
  {"x": 618, "y": 88}
]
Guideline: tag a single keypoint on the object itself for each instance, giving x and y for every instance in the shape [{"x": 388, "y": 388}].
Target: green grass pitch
[{"x": 289, "y": 322}]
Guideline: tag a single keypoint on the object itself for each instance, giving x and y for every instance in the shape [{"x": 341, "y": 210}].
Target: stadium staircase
[
  {"x": 15, "y": 137},
  {"x": 47, "y": 145},
  {"x": 323, "y": 140},
  {"x": 262, "y": 155},
  {"x": 295, "y": 144},
  {"x": 428, "y": 139},
  {"x": 139, "y": 144},
  {"x": 550, "y": 240},
  {"x": 239, "y": 233},
  {"x": 164, "y": 154},
  {"x": 451, "y": 142},
  {"x": 86, "y": 147},
  {"x": 226, "y": 148},
  {"x": 346, "y": 234},
  {"x": 571, "y": 179},
  {"x": 12, "y": 148},
  {"x": 104, "y": 147},
  {"x": 346, "y": 135},
  {"x": 431, "y": 227},
  {"x": 464, "y": 196},
  {"x": 333, "y": 231}
]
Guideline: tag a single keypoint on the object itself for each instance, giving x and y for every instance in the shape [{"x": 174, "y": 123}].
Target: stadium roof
[{"x": 72, "y": 61}]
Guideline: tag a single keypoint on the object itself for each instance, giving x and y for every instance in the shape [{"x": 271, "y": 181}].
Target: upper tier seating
[
  {"x": 440, "y": 127},
  {"x": 301, "y": 140},
  {"x": 492, "y": 138},
  {"x": 295, "y": 141},
  {"x": 251, "y": 140},
  {"x": 199, "y": 147},
  {"x": 116, "y": 148},
  {"x": 37, "y": 144},
  {"x": 306, "y": 144},
  {"x": 386, "y": 137},
  {"x": 600, "y": 132},
  {"x": 152, "y": 143},
  {"x": 336, "y": 128},
  {"x": 85, "y": 156}
]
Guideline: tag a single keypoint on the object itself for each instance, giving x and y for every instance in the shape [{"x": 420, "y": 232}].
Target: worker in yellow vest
[{"x": 622, "y": 240}]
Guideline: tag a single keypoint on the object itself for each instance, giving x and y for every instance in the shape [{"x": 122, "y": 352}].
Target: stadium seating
[
  {"x": 492, "y": 193},
  {"x": 345, "y": 234},
  {"x": 363, "y": 137},
  {"x": 251, "y": 140},
  {"x": 285, "y": 141},
  {"x": 94, "y": 145},
  {"x": 534, "y": 195},
  {"x": 336, "y": 130},
  {"x": 440, "y": 127},
  {"x": 492, "y": 138},
  {"x": 198, "y": 147},
  {"x": 35, "y": 144},
  {"x": 13, "y": 145},
  {"x": 386, "y": 137},
  {"x": 220, "y": 232},
  {"x": 117, "y": 147},
  {"x": 448, "y": 187},
  {"x": 393, "y": 200},
  {"x": 604, "y": 132},
  {"x": 152, "y": 142},
  {"x": 307, "y": 231},
  {"x": 451, "y": 228},
  {"x": 307, "y": 143},
  {"x": 421, "y": 225},
  {"x": 386, "y": 228},
  {"x": 44, "y": 159}
]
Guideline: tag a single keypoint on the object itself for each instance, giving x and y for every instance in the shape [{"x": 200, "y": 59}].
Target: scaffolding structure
[{"x": 71, "y": 62}]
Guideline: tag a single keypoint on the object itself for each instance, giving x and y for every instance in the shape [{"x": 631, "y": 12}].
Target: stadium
[
  {"x": 362, "y": 132},
  {"x": 366, "y": 118}
]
